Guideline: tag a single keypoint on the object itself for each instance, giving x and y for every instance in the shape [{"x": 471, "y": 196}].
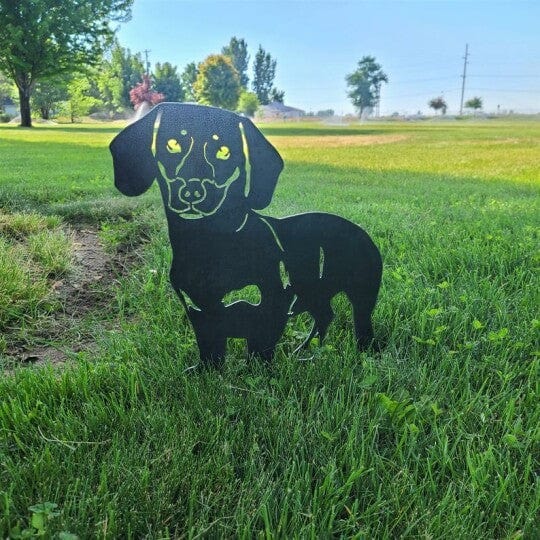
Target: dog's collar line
[
  {"x": 245, "y": 149},
  {"x": 154, "y": 135},
  {"x": 272, "y": 230}
]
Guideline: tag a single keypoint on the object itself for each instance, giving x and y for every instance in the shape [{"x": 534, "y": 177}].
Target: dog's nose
[{"x": 193, "y": 192}]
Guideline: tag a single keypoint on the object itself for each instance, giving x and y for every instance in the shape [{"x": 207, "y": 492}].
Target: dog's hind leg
[{"x": 362, "y": 325}]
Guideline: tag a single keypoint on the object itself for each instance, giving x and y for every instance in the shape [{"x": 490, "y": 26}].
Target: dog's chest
[{"x": 225, "y": 262}]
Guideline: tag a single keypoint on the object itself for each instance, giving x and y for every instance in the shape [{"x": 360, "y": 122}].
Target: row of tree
[
  {"x": 221, "y": 80},
  {"x": 44, "y": 44}
]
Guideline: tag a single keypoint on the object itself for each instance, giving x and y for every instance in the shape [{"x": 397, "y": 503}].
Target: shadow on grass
[
  {"x": 393, "y": 180},
  {"x": 303, "y": 186}
]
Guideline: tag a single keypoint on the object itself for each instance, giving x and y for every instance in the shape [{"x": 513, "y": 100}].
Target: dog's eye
[
  {"x": 223, "y": 153},
  {"x": 173, "y": 146}
]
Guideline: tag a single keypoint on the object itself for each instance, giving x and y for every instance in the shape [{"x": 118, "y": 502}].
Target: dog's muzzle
[{"x": 197, "y": 198}]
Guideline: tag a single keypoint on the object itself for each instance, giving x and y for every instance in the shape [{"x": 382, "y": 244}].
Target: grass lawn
[{"x": 436, "y": 436}]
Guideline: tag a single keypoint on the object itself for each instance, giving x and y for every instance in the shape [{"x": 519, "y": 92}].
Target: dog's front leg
[
  {"x": 269, "y": 322},
  {"x": 207, "y": 324},
  {"x": 210, "y": 334}
]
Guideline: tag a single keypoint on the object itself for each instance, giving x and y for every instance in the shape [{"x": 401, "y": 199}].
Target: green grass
[
  {"x": 437, "y": 436},
  {"x": 33, "y": 251}
]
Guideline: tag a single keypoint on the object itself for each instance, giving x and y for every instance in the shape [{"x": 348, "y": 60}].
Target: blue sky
[{"x": 420, "y": 46}]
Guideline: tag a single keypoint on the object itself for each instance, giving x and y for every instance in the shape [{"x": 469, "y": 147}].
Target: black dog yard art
[{"x": 215, "y": 171}]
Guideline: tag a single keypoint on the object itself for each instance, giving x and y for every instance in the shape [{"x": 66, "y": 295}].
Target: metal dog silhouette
[{"x": 215, "y": 169}]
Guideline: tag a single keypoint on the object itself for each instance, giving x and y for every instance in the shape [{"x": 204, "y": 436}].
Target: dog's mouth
[
  {"x": 196, "y": 198},
  {"x": 191, "y": 212}
]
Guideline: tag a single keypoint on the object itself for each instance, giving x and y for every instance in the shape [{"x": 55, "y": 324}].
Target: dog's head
[{"x": 206, "y": 159}]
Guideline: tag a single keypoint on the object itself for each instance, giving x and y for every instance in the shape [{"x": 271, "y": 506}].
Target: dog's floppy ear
[
  {"x": 263, "y": 166},
  {"x": 134, "y": 164}
]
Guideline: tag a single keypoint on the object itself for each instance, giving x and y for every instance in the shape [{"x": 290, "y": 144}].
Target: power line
[
  {"x": 464, "y": 77},
  {"x": 506, "y": 90},
  {"x": 505, "y": 76},
  {"x": 432, "y": 79},
  {"x": 417, "y": 94},
  {"x": 397, "y": 83}
]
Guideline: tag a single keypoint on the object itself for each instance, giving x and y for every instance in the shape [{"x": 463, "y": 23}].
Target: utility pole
[
  {"x": 146, "y": 51},
  {"x": 464, "y": 77}
]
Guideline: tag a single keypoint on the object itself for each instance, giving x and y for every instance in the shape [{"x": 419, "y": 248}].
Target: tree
[
  {"x": 121, "y": 70},
  {"x": 110, "y": 88},
  {"x": 143, "y": 93},
  {"x": 188, "y": 77},
  {"x": 40, "y": 39},
  {"x": 218, "y": 82},
  {"x": 81, "y": 97},
  {"x": 365, "y": 84},
  {"x": 264, "y": 71},
  {"x": 236, "y": 50},
  {"x": 277, "y": 95},
  {"x": 438, "y": 103},
  {"x": 48, "y": 94},
  {"x": 474, "y": 103},
  {"x": 248, "y": 103},
  {"x": 167, "y": 82}
]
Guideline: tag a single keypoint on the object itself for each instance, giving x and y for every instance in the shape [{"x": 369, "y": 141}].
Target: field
[{"x": 105, "y": 432}]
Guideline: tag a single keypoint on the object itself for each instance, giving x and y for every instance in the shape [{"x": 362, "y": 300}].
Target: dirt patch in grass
[
  {"x": 87, "y": 288},
  {"x": 331, "y": 141},
  {"x": 91, "y": 266},
  {"x": 52, "y": 355}
]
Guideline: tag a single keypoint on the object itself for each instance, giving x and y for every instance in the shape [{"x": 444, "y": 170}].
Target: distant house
[
  {"x": 9, "y": 107},
  {"x": 275, "y": 111}
]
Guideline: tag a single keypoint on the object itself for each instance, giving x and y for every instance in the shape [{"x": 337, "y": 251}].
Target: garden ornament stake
[{"x": 215, "y": 171}]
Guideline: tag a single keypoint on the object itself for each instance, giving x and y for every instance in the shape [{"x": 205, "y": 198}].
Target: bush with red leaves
[{"x": 142, "y": 92}]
